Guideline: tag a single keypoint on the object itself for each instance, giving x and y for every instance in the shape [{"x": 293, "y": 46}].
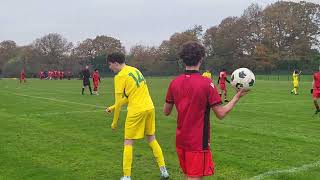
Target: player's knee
[
  {"x": 128, "y": 142},
  {"x": 150, "y": 138}
]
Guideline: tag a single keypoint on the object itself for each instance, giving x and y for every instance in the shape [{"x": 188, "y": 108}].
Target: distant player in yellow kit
[
  {"x": 207, "y": 74},
  {"x": 295, "y": 81},
  {"x": 131, "y": 88}
]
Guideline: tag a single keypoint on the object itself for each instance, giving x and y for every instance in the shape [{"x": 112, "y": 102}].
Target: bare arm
[
  {"x": 167, "y": 109},
  {"x": 221, "y": 111}
]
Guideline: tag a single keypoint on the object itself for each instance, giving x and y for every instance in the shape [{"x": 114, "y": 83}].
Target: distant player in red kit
[
  {"x": 22, "y": 76},
  {"x": 96, "y": 81},
  {"x": 61, "y": 75},
  {"x": 69, "y": 74},
  {"x": 316, "y": 90},
  {"x": 41, "y": 74},
  {"x": 222, "y": 82},
  {"x": 55, "y": 74}
]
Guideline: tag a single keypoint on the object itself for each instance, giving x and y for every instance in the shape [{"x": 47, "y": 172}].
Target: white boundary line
[
  {"x": 59, "y": 100},
  {"x": 287, "y": 171},
  {"x": 59, "y": 113},
  {"x": 64, "y": 101}
]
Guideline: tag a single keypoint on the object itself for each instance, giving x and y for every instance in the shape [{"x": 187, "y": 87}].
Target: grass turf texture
[{"x": 49, "y": 131}]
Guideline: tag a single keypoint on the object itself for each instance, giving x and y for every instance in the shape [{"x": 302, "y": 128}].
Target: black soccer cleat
[{"x": 317, "y": 111}]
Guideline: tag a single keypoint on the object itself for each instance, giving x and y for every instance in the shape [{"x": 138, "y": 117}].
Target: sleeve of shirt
[
  {"x": 213, "y": 96},
  {"x": 119, "y": 84},
  {"x": 169, "y": 97}
]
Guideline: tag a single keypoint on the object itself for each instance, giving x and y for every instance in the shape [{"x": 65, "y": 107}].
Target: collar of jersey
[{"x": 191, "y": 72}]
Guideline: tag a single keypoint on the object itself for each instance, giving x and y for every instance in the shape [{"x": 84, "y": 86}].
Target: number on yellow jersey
[{"x": 138, "y": 78}]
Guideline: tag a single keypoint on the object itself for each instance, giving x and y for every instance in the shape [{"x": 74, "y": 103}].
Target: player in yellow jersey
[
  {"x": 207, "y": 74},
  {"x": 295, "y": 82},
  {"x": 131, "y": 88}
]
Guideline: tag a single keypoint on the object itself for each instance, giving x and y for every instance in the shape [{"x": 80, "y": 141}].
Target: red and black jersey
[{"x": 193, "y": 95}]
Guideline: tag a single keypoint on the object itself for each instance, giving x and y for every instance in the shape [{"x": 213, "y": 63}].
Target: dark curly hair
[
  {"x": 116, "y": 57},
  {"x": 191, "y": 53}
]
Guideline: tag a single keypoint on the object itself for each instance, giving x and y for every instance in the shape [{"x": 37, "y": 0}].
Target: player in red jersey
[
  {"x": 41, "y": 74},
  {"x": 96, "y": 81},
  {"x": 316, "y": 90},
  {"x": 69, "y": 74},
  {"x": 222, "y": 82},
  {"x": 61, "y": 75},
  {"x": 55, "y": 74},
  {"x": 194, "y": 96},
  {"x": 22, "y": 76}
]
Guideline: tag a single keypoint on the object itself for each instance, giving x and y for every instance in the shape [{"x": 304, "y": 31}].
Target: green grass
[{"x": 49, "y": 131}]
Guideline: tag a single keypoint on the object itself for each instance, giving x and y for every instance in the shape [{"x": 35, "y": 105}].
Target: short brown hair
[
  {"x": 191, "y": 53},
  {"x": 116, "y": 57}
]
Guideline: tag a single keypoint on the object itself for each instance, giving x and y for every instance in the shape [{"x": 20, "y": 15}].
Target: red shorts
[
  {"x": 223, "y": 87},
  {"x": 316, "y": 93},
  {"x": 196, "y": 163}
]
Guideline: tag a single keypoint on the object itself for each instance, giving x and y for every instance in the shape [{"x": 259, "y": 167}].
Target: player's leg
[
  {"x": 153, "y": 143},
  {"x": 295, "y": 88},
  {"x": 295, "y": 91},
  {"x": 127, "y": 158},
  {"x": 315, "y": 102},
  {"x": 90, "y": 89},
  {"x": 225, "y": 95},
  {"x": 97, "y": 93},
  {"x": 132, "y": 131},
  {"x": 82, "y": 91},
  {"x": 158, "y": 155},
  {"x": 95, "y": 88}
]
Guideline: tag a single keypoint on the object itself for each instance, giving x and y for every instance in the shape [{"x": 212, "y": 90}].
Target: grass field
[{"x": 49, "y": 131}]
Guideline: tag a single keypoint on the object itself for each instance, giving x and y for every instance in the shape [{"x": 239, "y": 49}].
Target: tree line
[{"x": 279, "y": 38}]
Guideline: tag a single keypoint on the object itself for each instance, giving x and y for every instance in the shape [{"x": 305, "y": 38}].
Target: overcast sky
[{"x": 146, "y": 22}]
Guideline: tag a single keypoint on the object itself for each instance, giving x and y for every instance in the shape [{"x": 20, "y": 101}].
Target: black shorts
[{"x": 86, "y": 82}]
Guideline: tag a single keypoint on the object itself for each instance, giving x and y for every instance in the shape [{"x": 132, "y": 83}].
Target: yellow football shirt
[
  {"x": 132, "y": 85},
  {"x": 207, "y": 74},
  {"x": 295, "y": 77}
]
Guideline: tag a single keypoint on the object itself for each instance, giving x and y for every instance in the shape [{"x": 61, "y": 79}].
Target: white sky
[{"x": 146, "y": 22}]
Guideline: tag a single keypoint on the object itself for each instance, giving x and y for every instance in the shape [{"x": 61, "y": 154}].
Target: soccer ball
[{"x": 242, "y": 78}]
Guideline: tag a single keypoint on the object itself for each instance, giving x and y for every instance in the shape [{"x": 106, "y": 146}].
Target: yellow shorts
[
  {"x": 296, "y": 84},
  {"x": 140, "y": 124}
]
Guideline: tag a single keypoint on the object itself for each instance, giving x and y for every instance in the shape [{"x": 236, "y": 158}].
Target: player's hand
[
  {"x": 108, "y": 110},
  {"x": 242, "y": 92}
]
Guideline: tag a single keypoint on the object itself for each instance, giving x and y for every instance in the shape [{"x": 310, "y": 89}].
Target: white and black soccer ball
[{"x": 242, "y": 78}]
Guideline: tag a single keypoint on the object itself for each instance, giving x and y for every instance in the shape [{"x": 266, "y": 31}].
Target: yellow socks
[
  {"x": 157, "y": 152},
  {"x": 127, "y": 160}
]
